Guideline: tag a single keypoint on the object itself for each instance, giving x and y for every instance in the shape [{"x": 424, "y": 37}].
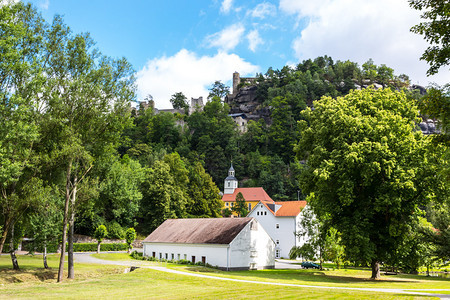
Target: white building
[
  {"x": 281, "y": 220},
  {"x": 228, "y": 243},
  {"x": 231, "y": 183},
  {"x": 241, "y": 121}
]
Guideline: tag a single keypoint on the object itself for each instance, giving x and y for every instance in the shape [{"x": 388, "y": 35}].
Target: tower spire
[{"x": 231, "y": 183}]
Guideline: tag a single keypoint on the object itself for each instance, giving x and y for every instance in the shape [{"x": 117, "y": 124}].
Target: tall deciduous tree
[
  {"x": 436, "y": 104},
  {"x": 213, "y": 134},
  {"x": 218, "y": 89},
  {"x": 44, "y": 223},
  {"x": 240, "y": 206},
  {"x": 203, "y": 192},
  {"x": 119, "y": 192},
  {"x": 179, "y": 101},
  {"x": 21, "y": 80},
  {"x": 435, "y": 30},
  {"x": 162, "y": 197},
  {"x": 87, "y": 100},
  {"x": 367, "y": 169}
]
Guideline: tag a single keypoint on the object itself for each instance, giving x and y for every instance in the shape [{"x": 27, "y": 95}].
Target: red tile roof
[
  {"x": 250, "y": 194},
  {"x": 290, "y": 208},
  {"x": 198, "y": 231}
]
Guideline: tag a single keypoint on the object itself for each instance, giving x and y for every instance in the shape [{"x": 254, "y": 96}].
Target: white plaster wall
[
  {"x": 242, "y": 123},
  {"x": 216, "y": 255},
  {"x": 252, "y": 247},
  {"x": 285, "y": 234},
  {"x": 249, "y": 247}
]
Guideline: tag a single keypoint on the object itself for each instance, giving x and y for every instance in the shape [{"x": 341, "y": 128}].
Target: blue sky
[{"x": 184, "y": 46}]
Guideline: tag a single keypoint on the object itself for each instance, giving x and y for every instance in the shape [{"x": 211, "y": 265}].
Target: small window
[
  {"x": 278, "y": 242},
  {"x": 249, "y": 207},
  {"x": 261, "y": 206},
  {"x": 185, "y": 257},
  {"x": 226, "y": 204},
  {"x": 253, "y": 253},
  {"x": 277, "y": 253},
  {"x": 257, "y": 213},
  {"x": 265, "y": 213},
  {"x": 232, "y": 204},
  {"x": 204, "y": 259},
  {"x": 154, "y": 254},
  {"x": 160, "y": 255},
  {"x": 228, "y": 184},
  {"x": 277, "y": 226},
  {"x": 173, "y": 256},
  {"x": 167, "y": 256},
  {"x": 193, "y": 259},
  {"x": 179, "y": 256},
  {"x": 243, "y": 123}
]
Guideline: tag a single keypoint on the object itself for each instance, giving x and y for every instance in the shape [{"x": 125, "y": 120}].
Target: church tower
[{"x": 231, "y": 183}]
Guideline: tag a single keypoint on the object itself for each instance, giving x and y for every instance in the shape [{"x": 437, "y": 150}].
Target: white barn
[
  {"x": 228, "y": 243},
  {"x": 281, "y": 220}
]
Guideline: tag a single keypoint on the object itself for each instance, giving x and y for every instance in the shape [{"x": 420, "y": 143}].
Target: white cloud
[
  {"x": 226, "y": 39},
  {"x": 254, "y": 40},
  {"x": 8, "y": 2},
  {"x": 188, "y": 73},
  {"x": 44, "y": 4},
  {"x": 304, "y": 8},
  {"x": 263, "y": 10},
  {"x": 226, "y": 6},
  {"x": 361, "y": 29}
]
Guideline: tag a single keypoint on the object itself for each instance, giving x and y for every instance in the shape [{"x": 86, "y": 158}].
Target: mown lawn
[
  {"x": 103, "y": 281},
  {"x": 112, "y": 256},
  {"x": 339, "y": 278},
  {"x": 32, "y": 270}
]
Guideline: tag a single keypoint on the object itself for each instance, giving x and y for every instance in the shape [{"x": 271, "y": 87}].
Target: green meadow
[{"x": 111, "y": 281}]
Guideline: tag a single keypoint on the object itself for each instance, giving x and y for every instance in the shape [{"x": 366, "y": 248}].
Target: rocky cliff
[{"x": 245, "y": 101}]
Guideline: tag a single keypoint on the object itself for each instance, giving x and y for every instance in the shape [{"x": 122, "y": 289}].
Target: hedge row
[{"x": 91, "y": 247}]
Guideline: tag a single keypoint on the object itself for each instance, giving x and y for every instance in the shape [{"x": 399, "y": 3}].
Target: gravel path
[{"x": 87, "y": 258}]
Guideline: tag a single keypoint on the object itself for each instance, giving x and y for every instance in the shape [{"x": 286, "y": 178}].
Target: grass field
[{"x": 103, "y": 281}]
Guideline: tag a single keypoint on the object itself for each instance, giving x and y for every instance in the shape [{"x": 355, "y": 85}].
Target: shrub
[
  {"x": 130, "y": 236},
  {"x": 100, "y": 233},
  {"x": 91, "y": 247},
  {"x": 115, "y": 231},
  {"x": 136, "y": 255},
  {"x": 184, "y": 262}
]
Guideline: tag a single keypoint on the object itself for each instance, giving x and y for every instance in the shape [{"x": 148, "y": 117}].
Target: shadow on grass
[{"x": 26, "y": 275}]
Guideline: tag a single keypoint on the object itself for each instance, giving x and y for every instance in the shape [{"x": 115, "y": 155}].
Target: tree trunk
[
  {"x": 5, "y": 234},
  {"x": 63, "y": 243},
  {"x": 66, "y": 213},
  {"x": 320, "y": 258},
  {"x": 12, "y": 251},
  {"x": 375, "y": 269},
  {"x": 98, "y": 247},
  {"x": 2, "y": 242},
  {"x": 44, "y": 256},
  {"x": 71, "y": 274}
]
